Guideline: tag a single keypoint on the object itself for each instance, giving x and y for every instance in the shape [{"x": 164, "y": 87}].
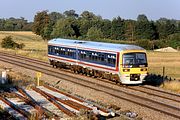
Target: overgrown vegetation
[
  {"x": 15, "y": 24},
  {"x": 8, "y": 42},
  {"x": 88, "y": 26}
]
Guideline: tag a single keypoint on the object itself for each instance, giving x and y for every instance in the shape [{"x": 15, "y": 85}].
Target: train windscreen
[{"x": 134, "y": 60}]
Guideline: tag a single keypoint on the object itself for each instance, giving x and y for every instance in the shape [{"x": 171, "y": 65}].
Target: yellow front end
[{"x": 135, "y": 72}]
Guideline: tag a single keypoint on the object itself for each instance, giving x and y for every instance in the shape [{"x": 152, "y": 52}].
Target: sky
[{"x": 108, "y": 9}]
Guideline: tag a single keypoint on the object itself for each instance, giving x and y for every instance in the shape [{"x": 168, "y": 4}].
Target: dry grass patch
[
  {"x": 171, "y": 62},
  {"x": 172, "y": 85},
  {"x": 35, "y": 46}
]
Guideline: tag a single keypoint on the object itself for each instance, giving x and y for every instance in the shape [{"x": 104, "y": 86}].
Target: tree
[
  {"x": 2, "y": 23},
  {"x": 165, "y": 27},
  {"x": 89, "y": 16},
  {"x": 178, "y": 27},
  {"x": 94, "y": 33},
  {"x": 9, "y": 26},
  {"x": 63, "y": 29},
  {"x": 142, "y": 18},
  {"x": 55, "y": 16},
  {"x": 145, "y": 29},
  {"x": 71, "y": 13},
  {"x": 41, "y": 20},
  {"x": 129, "y": 29},
  {"x": 118, "y": 29},
  {"x": 47, "y": 32},
  {"x": 106, "y": 28}
]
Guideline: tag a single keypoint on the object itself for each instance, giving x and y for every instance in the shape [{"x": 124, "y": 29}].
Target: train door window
[
  {"x": 89, "y": 56},
  {"x": 102, "y": 57},
  {"x": 50, "y": 49},
  {"x": 99, "y": 57},
  {"x": 95, "y": 56}
]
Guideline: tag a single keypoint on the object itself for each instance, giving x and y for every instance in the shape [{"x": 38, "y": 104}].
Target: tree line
[
  {"x": 15, "y": 24},
  {"x": 88, "y": 26}
]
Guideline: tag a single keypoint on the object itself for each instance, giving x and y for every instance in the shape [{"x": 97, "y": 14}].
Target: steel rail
[
  {"x": 158, "y": 95},
  {"x": 28, "y": 97},
  {"x": 69, "y": 103},
  {"x": 16, "y": 108},
  {"x": 57, "y": 104},
  {"x": 103, "y": 80},
  {"x": 80, "y": 100},
  {"x": 48, "y": 72}
]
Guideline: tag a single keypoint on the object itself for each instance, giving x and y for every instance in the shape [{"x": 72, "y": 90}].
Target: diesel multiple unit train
[{"x": 126, "y": 64}]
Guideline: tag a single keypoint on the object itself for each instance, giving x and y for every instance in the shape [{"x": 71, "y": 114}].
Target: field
[
  {"x": 171, "y": 62},
  {"x": 34, "y": 45},
  {"x": 37, "y": 48}
]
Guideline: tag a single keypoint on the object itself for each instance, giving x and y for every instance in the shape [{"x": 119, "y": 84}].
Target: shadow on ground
[{"x": 156, "y": 80}]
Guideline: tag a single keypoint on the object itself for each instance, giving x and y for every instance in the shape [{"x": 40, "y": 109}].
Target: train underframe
[{"x": 86, "y": 71}]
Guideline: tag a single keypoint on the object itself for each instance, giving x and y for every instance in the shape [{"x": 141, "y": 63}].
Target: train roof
[{"x": 95, "y": 45}]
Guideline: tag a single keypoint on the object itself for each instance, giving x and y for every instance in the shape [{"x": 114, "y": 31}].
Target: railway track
[
  {"x": 27, "y": 103},
  {"x": 161, "y": 106}
]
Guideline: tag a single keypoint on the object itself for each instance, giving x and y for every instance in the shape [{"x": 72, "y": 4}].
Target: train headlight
[
  {"x": 143, "y": 69},
  {"x": 126, "y": 70}
]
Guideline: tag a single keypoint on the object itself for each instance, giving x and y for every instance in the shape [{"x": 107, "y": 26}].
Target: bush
[
  {"x": 146, "y": 44},
  {"x": 174, "y": 40},
  {"x": 7, "y": 42},
  {"x": 160, "y": 44}
]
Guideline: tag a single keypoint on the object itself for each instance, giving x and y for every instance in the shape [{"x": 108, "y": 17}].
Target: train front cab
[{"x": 133, "y": 66}]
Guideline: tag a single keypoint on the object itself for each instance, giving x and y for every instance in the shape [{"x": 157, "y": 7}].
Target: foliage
[
  {"x": 147, "y": 44},
  {"x": 87, "y": 25},
  {"x": 64, "y": 28},
  {"x": 159, "y": 44},
  {"x": 41, "y": 21},
  {"x": 69, "y": 24},
  {"x": 15, "y": 24},
  {"x": 7, "y": 42},
  {"x": 165, "y": 27},
  {"x": 94, "y": 33},
  {"x": 117, "y": 29},
  {"x": 174, "y": 40},
  {"x": 71, "y": 13},
  {"x": 145, "y": 29}
]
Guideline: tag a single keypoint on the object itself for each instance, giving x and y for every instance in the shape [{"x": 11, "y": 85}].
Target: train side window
[{"x": 102, "y": 58}]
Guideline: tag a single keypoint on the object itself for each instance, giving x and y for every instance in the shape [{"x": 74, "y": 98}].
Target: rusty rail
[
  {"x": 80, "y": 100},
  {"x": 68, "y": 95},
  {"x": 15, "y": 107},
  {"x": 38, "y": 108},
  {"x": 61, "y": 107},
  {"x": 35, "y": 104},
  {"x": 70, "y": 103}
]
